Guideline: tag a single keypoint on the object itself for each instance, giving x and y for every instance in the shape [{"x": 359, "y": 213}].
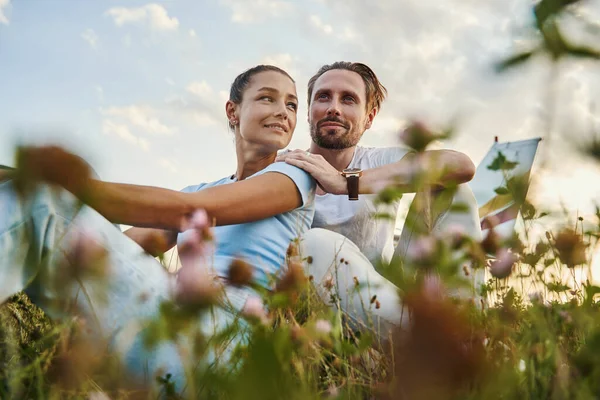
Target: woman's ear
[{"x": 231, "y": 110}]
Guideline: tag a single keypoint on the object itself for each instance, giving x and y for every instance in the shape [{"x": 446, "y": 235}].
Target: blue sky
[{"x": 138, "y": 88}]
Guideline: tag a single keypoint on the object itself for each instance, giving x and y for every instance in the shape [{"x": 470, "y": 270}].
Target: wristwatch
[{"x": 352, "y": 175}]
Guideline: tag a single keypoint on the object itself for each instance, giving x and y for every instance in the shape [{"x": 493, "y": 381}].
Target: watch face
[{"x": 352, "y": 170}]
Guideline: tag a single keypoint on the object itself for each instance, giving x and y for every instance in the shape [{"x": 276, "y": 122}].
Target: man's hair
[
  {"x": 374, "y": 90},
  {"x": 241, "y": 82}
]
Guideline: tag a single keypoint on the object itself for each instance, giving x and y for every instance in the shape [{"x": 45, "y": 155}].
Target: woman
[{"x": 257, "y": 212}]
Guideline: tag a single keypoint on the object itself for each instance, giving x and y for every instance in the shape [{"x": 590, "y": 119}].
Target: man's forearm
[
  {"x": 142, "y": 206},
  {"x": 435, "y": 169}
]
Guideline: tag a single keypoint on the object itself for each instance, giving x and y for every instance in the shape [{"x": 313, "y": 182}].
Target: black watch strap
[{"x": 352, "y": 182}]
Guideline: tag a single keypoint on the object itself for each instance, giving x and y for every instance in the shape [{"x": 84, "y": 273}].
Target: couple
[{"x": 257, "y": 212}]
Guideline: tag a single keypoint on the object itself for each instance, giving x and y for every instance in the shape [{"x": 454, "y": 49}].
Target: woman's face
[{"x": 268, "y": 111}]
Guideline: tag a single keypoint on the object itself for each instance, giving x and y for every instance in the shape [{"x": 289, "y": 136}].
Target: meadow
[{"x": 531, "y": 331}]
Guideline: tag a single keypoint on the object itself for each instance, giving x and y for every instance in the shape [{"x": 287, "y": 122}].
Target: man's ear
[
  {"x": 231, "y": 110},
  {"x": 370, "y": 117}
]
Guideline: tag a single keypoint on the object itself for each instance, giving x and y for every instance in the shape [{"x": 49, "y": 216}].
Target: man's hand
[
  {"x": 52, "y": 164},
  {"x": 328, "y": 178}
]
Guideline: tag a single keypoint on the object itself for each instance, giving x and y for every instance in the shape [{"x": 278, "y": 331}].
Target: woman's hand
[{"x": 52, "y": 164}]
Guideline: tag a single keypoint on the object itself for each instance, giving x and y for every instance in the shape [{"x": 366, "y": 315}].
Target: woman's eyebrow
[{"x": 273, "y": 90}]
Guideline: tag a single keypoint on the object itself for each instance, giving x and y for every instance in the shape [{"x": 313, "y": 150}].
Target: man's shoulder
[{"x": 371, "y": 157}]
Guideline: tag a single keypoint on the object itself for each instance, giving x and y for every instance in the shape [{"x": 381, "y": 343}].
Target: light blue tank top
[{"x": 262, "y": 243}]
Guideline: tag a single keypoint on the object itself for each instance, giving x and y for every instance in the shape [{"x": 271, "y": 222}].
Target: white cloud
[
  {"x": 3, "y": 18},
  {"x": 140, "y": 117},
  {"x": 90, "y": 36},
  {"x": 315, "y": 21},
  {"x": 249, "y": 11},
  {"x": 123, "y": 132},
  {"x": 192, "y": 33},
  {"x": 284, "y": 61},
  {"x": 153, "y": 14},
  {"x": 99, "y": 92},
  {"x": 201, "y": 89},
  {"x": 168, "y": 164},
  {"x": 127, "y": 41}
]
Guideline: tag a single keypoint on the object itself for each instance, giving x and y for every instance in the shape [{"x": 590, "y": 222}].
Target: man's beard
[{"x": 331, "y": 141}]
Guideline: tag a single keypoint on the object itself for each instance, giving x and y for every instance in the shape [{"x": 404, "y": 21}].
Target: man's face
[{"x": 338, "y": 113}]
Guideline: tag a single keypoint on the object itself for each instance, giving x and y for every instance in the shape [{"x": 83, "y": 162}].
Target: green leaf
[
  {"x": 583, "y": 52},
  {"x": 366, "y": 340},
  {"x": 501, "y": 190},
  {"x": 557, "y": 287},
  {"x": 514, "y": 61},
  {"x": 502, "y": 163},
  {"x": 459, "y": 208}
]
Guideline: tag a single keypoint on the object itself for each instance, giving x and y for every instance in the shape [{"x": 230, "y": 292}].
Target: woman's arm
[
  {"x": 151, "y": 207},
  {"x": 249, "y": 200}
]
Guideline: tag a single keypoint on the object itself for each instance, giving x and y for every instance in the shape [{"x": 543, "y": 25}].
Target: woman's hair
[{"x": 241, "y": 82}]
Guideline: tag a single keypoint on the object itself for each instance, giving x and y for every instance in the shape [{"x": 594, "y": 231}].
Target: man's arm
[{"x": 435, "y": 169}]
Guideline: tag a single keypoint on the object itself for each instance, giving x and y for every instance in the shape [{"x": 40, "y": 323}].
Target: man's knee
[{"x": 323, "y": 249}]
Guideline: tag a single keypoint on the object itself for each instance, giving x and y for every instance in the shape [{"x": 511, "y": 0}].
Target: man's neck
[{"x": 339, "y": 159}]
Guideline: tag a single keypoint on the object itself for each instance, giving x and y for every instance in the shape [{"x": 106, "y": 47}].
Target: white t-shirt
[{"x": 354, "y": 219}]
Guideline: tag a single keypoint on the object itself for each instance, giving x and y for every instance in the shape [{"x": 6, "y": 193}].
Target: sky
[{"x": 139, "y": 88}]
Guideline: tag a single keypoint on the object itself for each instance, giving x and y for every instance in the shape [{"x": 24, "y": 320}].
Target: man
[{"x": 344, "y": 98}]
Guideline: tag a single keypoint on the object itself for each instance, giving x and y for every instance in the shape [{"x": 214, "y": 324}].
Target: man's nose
[{"x": 333, "y": 109}]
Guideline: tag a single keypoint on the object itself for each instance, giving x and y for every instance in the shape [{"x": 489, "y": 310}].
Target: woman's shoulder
[
  {"x": 303, "y": 180},
  {"x": 201, "y": 186}
]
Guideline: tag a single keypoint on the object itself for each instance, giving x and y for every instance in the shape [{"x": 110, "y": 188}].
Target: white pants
[
  {"x": 35, "y": 237},
  {"x": 346, "y": 280}
]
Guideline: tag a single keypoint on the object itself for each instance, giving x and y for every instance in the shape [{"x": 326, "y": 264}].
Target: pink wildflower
[
  {"x": 323, "y": 327},
  {"x": 502, "y": 267},
  {"x": 254, "y": 309}
]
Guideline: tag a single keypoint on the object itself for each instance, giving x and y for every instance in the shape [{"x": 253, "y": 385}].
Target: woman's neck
[{"x": 250, "y": 160}]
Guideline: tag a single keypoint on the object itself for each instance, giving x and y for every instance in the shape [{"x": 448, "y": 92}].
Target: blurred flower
[
  {"x": 293, "y": 251},
  {"x": 86, "y": 254},
  {"x": 98, "y": 396},
  {"x": 489, "y": 222},
  {"x": 571, "y": 248},
  {"x": 536, "y": 297},
  {"x": 240, "y": 273},
  {"x": 298, "y": 334},
  {"x": 491, "y": 242},
  {"x": 254, "y": 309},
  {"x": 454, "y": 234},
  {"x": 502, "y": 266},
  {"x": 522, "y": 365},
  {"x": 422, "y": 250},
  {"x": 52, "y": 164},
  {"x": 333, "y": 391},
  {"x": 293, "y": 278},
  {"x": 418, "y": 136},
  {"x": 433, "y": 287},
  {"x": 195, "y": 243},
  {"x": 328, "y": 282},
  {"x": 198, "y": 220},
  {"x": 438, "y": 356},
  {"x": 323, "y": 327},
  {"x": 197, "y": 287},
  {"x": 566, "y": 316},
  {"x": 77, "y": 357}
]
